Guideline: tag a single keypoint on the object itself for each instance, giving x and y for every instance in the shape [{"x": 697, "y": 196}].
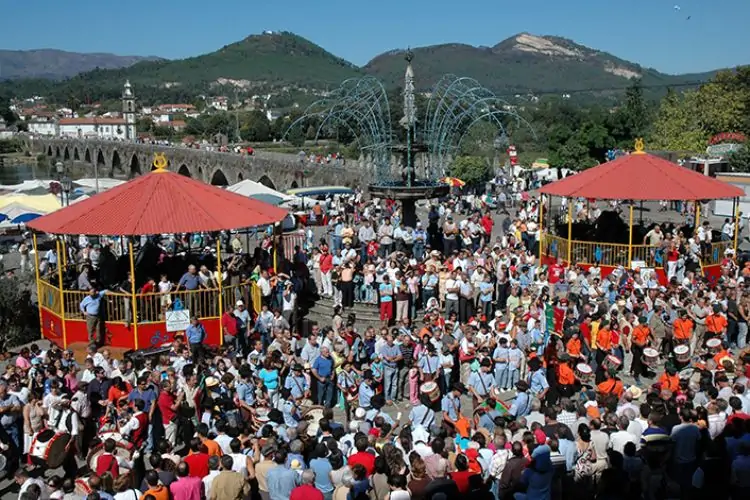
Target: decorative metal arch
[
  {"x": 456, "y": 105},
  {"x": 361, "y": 105}
]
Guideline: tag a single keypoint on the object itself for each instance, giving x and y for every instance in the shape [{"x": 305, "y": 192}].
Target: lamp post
[
  {"x": 501, "y": 143},
  {"x": 67, "y": 185}
]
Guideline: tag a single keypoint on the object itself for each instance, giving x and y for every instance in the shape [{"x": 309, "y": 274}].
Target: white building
[
  {"x": 99, "y": 127},
  {"x": 42, "y": 127},
  {"x": 220, "y": 103}
]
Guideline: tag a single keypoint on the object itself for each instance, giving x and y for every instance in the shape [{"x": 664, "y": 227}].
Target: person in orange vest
[
  {"x": 603, "y": 345},
  {"x": 682, "y": 328},
  {"x": 716, "y": 324},
  {"x": 573, "y": 346},
  {"x": 611, "y": 384},
  {"x": 566, "y": 378},
  {"x": 669, "y": 380},
  {"x": 639, "y": 340}
]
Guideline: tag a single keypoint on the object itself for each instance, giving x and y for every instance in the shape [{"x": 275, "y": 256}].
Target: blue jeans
[
  {"x": 513, "y": 377},
  {"x": 325, "y": 393},
  {"x": 502, "y": 375},
  {"x": 390, "y": 382}
]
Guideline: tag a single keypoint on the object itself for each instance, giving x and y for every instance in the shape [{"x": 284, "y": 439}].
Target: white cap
[{"x": 239, "y": 303}]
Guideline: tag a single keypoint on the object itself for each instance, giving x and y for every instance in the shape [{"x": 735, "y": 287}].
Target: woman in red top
[{"x": 462, "y": 474}]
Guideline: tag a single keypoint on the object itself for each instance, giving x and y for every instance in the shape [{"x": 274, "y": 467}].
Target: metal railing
[
  {"x": 150, "y": 307},
  {"x": 616, "y": 254}
]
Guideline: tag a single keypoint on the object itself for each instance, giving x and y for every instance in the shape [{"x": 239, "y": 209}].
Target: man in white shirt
[
  {"x": 213, "y": 471},
  {"x": 24, "y": 481},
  {"x": 619, "y": 438}
]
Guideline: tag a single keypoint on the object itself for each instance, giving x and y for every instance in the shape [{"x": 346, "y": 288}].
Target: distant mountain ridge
[
  {"x": 57, "y": 64},
  {"x": 524, "y": 63}
]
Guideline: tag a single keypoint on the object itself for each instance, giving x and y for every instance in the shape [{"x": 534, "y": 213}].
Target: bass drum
[
  {"x": 122, "y": 450},
  {"x": 48, "y": 448},
  {"x": 82, "y": 488},
  {"x": 312, "y": 415}
]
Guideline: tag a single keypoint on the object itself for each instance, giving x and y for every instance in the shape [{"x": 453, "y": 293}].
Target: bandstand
[
  {"x": 154, "y": 205},
  {"x": 632, "y": 179}
]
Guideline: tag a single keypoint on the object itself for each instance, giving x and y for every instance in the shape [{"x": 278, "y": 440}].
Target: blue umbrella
[
  {"x": 24, "y": 218},
  {"x": 3, "y": 217}
]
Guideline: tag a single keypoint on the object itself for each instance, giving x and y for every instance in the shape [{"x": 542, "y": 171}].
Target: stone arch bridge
[{"x": 126, "y": 160}]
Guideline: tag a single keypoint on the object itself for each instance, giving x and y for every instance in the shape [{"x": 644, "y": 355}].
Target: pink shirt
[
  {"x": 23, "y": 363},
  {"x": 187, "y": 488}
]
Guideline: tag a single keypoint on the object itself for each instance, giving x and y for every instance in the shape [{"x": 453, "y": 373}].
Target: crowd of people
[{"x": 490, "y": 373}]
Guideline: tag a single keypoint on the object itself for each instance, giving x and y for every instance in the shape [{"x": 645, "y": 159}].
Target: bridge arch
[
  {"x": 87, "y": 156},
  {"x": 66, "y": 154},
  {"x": 219, "y": 179},
  {"x": 184, "y": 170},
  {"x": 135, "y": 166},
  {"x": 57, "y": 152},
  {"x": 116, "y": 163},
  {"x": 240, "y": 177},
  {"x": 100, "y": 161},
  {"x": 294, "y": 185},
  {"x": 76, "y": 155},
  {"x": 49, "y": 150},
  {"x": 200, "y": 174},
  {"x": 266, "y": 181}
]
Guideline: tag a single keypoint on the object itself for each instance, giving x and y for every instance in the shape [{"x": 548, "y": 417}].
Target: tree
[
  {"x": 255, "y": 126},
  {"x": 19, "y": 319},
  {"x": 677, "y": 126},
  {"x": 471, "y": 169},
  {"x": 740, "y": 160}
]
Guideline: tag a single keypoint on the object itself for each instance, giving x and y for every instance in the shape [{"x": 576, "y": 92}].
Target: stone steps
[{"x": 321, "y": 311}]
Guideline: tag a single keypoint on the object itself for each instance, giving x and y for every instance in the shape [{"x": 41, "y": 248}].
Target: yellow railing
[
  {"x": 718, "y": 251},
  {"x": 614, "y": 254},
  {"x": 150, "y": 306},
  {"x": 49, "y": 297}
]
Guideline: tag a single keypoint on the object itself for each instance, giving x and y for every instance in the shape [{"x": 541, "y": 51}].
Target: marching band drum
[
  {"x": 313, "y": 414},
  {"x": 612, "y": 362},
  {"x": 431, "y": 390},
  {"x": 584, "y": 373},
  {"x": 123, "y": 448},
  {"x": 48, "y": 448},
  {"x": 650, "y": 357},
  {"x": 682, "y": 354},
  {"x": 713, "y": 346}
]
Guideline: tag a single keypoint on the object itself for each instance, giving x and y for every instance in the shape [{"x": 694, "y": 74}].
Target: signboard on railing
[{"x": 177, "y": 321}]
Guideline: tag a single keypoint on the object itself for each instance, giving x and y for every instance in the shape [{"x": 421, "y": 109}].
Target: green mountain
[
  {"x": 58, "y": 64},
  {"x": 524, "y": 63}
]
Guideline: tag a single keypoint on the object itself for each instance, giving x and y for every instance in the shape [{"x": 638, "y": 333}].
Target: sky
[{"x": 652, "y": 33}]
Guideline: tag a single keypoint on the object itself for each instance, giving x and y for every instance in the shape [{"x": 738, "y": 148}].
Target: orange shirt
[
  {"x": 573, "y": 347},
  {"x": 604, "y": 339},
  {"x": 682, "y": 328},
  {"x": 565, "y": 375},
  {"x": 640, "y": 335},
  {"x": 716, "y": 323},
  {"x": 611, "y": 386},
  {"x": 115, "y": 394},
  {"x": 720, "y": 355},
  {"x": 670, "y": 383},
  {"x": 159, "y": 492},
  {"x": 212, "y": 448}
]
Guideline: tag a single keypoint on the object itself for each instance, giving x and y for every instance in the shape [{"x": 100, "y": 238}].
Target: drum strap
[{"x": 424, "y": 417}]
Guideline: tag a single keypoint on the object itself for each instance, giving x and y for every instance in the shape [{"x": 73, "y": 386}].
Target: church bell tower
[{"x": 128, "y": 111}]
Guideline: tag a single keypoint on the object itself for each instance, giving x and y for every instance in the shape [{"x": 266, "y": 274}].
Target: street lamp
[{"x": 67, "y": 185}]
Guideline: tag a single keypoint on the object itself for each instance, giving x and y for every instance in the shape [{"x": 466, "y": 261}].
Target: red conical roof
[
  {"x": 641, "y": 176},
  {"x": 159, "y": 202}
]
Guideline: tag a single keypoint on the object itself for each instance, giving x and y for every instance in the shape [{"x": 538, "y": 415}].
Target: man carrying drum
[
  {"x": 481, "y": 381},
  {"x": 716, "y": 324},
  {"x": 640, "y": 339},
  {"x": 682, "y": 328}
]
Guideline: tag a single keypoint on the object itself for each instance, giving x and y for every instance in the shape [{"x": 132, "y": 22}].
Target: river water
[{"x": 17, "y": 173}]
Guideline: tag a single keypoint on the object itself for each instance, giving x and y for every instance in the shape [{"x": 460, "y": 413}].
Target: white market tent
[{"x": 261, "y": 192}]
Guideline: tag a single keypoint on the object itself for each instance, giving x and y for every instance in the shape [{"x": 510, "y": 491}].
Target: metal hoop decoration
[{"x": 160, "y": 162}]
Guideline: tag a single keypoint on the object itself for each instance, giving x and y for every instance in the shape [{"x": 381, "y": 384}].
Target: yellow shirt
[{"x": 594, "y": 331}]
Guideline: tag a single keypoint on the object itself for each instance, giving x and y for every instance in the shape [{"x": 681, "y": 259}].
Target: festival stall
[
  {"x": 161, "y": 202},
  {"x": 633, "y": 179}
]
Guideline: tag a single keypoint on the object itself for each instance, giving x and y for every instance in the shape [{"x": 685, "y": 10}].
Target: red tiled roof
[
  {"x": 159, "y": 202},
  {"x": 92, "y": 121},
  {"x": 641, "y": 177}
]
